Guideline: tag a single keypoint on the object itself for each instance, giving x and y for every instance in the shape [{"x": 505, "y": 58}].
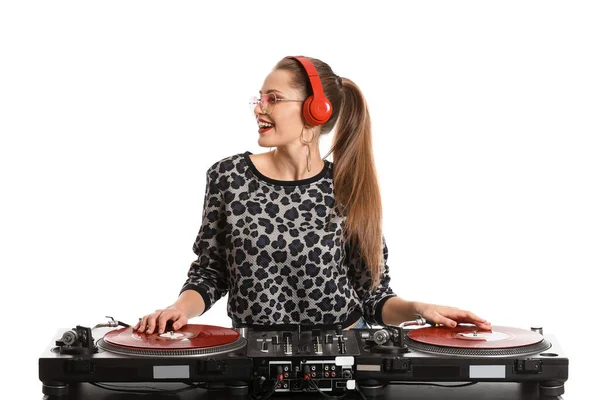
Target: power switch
[
  {"x": 396, "y": 364},
  {"x": 80, "y": 366},
  {"x": 211, "y": 366},
  {"x": 528, "y": 366}
]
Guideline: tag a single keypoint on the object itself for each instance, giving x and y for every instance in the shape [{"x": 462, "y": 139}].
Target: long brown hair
[{"x": 355, "y": 181}]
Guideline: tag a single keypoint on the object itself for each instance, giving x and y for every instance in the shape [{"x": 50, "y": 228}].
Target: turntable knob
[
  {"x": 328, "y": 338},
  {"x": 381, "y": 336},
  {"x": 275, "y": 339},
  {"x": 69, "y": 337}
]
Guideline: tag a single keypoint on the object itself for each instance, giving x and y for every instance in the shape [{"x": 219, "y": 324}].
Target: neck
[{"x": 292, "y": 165}]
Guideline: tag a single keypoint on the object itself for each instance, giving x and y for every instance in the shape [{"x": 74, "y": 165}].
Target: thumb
[
  {"x": 179, "y": 323},
  {"x": 445, "y": 321}
]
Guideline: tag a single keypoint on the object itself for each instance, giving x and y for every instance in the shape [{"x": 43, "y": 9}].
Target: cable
[
  {"x": 360, "y": 392},
  {"x": 315, "y": 386},
  {"x": 271, "y": 391},
  {"x": 314, "y": 383}
]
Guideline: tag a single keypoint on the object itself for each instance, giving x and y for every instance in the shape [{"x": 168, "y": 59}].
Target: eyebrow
[{"x": 271, "y": 91}]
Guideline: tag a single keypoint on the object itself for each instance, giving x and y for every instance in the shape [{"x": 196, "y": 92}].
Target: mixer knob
[
  {"x": 328, "y": 338},
  {"x": 319, "y": 348},
  {"x": 287, "y": 346},
  {"x": 265, "y": 347},
  {"x": 342, "y": 344}
]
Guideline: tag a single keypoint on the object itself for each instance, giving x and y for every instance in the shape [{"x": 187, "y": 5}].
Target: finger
[
  {"x": 474, "y": 317},
  {"x": 152, "y": 321},
  {"x": 442, "y": 315},
  {"x": 137, "y": 326},
  {"x": 484, "y": 325},
  {"x": 162, "y": 321},
  {"x": 458, "y": 314},
  {"x": 440, "y": 319},
  {"x": 180, "y": 322},
  {"x": 450, "y": 323},
  {"x": 143, "y": 323},
  {"x": 466, "y": 316}
]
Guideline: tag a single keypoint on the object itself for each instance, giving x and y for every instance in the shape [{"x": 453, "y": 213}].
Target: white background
[{"x": 485, "y": 127}]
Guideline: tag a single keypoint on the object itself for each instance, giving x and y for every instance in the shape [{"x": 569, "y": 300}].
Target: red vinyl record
[
  {"x": 471, "y": 337},
  {"x": 188, "y": 337}
]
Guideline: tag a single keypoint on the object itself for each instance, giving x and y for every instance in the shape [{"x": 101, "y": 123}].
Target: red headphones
[{"x": 317, "y": 108}]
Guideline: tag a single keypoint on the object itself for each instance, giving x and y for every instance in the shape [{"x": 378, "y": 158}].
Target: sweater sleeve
[
  {"x": 361, "y": 277},
  {"x": 208, "y": 273}
]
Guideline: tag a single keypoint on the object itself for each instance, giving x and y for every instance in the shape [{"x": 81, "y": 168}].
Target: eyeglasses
[{"x": 267, "y": 102}]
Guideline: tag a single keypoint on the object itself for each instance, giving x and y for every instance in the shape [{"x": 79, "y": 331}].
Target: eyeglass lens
[{"x": 266, "y": 102}]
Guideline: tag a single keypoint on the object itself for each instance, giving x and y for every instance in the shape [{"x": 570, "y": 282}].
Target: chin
[{"x": 265, "y": 143}]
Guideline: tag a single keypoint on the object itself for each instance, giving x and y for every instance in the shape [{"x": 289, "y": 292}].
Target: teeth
[{"x": 264, "y": 124}]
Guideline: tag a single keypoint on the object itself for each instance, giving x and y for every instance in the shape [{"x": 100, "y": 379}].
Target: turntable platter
[
  {"x": 188, "y": 337},
  {"x": 471, "y": 337},
  {"x": 467, "y": 340}
]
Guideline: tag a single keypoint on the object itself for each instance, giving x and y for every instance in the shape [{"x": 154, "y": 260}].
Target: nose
[{"x": 258, "y": 109}]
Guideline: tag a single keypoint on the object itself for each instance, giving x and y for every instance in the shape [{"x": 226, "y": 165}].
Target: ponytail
[{"x": 355, "y": 179}]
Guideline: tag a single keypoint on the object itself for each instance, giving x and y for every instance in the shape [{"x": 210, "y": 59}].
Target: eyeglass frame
[{"x": 258, "y": 100}]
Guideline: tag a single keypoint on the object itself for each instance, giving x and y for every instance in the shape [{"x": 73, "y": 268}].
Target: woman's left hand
[{"x": 450, "y": 316}]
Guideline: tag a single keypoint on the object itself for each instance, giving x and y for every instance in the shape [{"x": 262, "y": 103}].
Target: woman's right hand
[{"x": 159, "y": 318}]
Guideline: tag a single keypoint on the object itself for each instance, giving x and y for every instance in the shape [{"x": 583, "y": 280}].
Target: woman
[{"x": 276, "y": 238}]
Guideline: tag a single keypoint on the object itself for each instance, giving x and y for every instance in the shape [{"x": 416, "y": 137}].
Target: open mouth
[{"x": 264, "y": 126}]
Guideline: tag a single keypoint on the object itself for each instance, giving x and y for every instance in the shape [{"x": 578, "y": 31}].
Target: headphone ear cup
[{"x": 317, "y": 112}]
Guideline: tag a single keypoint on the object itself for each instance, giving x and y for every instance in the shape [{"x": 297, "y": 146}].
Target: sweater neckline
[{"x": 299, "y": 182}]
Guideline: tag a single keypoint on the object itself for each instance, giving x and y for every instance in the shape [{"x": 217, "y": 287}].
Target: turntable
[
  {"x": 195, "y": 353},
  {"x": 462, "y": 354}
]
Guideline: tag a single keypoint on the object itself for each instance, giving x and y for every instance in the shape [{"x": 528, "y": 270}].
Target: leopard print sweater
[{"x": 277, "y": 248}]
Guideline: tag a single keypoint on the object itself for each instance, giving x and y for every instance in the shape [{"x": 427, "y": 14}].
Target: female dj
[{"x": 293, "y": 238}]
